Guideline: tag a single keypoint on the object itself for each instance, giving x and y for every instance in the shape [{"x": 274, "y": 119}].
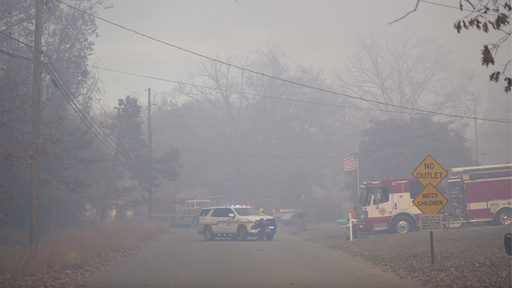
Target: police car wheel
[
  {"x": 242, "y": 233},
  {"x": 208, "y": 234}
]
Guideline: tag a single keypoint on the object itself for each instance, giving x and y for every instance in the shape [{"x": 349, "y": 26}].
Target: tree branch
[{"x": 413, "y": 10}]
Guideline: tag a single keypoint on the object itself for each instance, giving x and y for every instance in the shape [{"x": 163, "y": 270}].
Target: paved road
[{"x": 184, "y": 259}]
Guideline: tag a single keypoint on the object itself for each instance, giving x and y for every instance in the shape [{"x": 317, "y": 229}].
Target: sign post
[{"x": 430, "y": 201}]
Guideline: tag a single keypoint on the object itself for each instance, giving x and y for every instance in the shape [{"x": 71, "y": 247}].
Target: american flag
[{"x": 350, "y": 163}]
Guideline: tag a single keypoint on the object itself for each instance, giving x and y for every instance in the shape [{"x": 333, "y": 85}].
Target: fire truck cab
[{"x": 387, "y": 205}]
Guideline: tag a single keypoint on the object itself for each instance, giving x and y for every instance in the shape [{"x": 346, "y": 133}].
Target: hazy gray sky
[{"x": 319, "y": 33}]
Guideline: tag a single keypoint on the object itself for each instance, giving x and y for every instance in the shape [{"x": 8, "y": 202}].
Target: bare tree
[
  {"x": 494, "y": 139},
  {"x": 251, "y": 135},
  {"x": 220, "y": 95},
  {"x": 486, "y": 16},
  {"x": 405, "y": 76}
]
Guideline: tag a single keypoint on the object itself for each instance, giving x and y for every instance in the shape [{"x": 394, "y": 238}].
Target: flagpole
[{"x": 357, "y": 172}]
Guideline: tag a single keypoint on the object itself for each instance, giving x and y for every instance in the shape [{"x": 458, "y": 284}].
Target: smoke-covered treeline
[
  {"x": 272, "y": 133},
  {"x": 65, "y": 144},
  {"x": 250, "y": 137},
  {"x": 89, "y": 163}
]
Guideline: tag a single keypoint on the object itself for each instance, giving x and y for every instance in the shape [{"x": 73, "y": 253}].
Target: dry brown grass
[
  {"x": 72, "y": 250},
  {"x": 464, "y": 257}
]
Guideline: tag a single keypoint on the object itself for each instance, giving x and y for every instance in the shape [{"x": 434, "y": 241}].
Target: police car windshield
[{"x": 246, "y": 211}]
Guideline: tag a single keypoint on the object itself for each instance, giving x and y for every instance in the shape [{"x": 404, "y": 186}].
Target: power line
[
  {"x": 115, "y": 79},
  {"x": 18, "y": 56},
  {"x": 274, "y": 97},
  {"x": 256, "y": 155},
  {"x": 32, "y": 60},
  {"x": 17, "y": 40},
  {"x": 228, "y": 90},
  {"x": 68, "y": 38},
  {"x": 90, "y": 123},
  {"x": 423, "y": 111},
  {"x": 62, "y": 87},
  {"x": 442, "y": 5},
  {"x": 95, "y": 129},
  {"x": 426, "y": 112},
  {"x": 240, "y": 67}
]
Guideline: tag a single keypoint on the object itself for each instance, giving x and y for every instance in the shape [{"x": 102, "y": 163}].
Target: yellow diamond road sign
[
  {"x": 429, "y": 172},
  {"x": 430, "y": 201}
]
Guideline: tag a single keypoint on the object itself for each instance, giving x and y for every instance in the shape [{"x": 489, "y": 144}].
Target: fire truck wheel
[
  {"x": 503, "y": 217},
  {"x": 208, "y": 234},
  {"x": 242, "y": 233},
  {"x": 402, "y": 224}
]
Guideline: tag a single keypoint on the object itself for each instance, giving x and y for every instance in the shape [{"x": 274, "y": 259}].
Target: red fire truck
[{"x": 475, "y": 194}]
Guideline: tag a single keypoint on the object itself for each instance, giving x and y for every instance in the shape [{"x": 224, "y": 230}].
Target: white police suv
[{"x": 237, "y": 222}]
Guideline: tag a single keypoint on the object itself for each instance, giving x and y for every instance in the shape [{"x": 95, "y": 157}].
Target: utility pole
[
  {"x": 150, "y": 144},
  {"x": 477, "y": 158},
  {"x": 35, "y": 134}
]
